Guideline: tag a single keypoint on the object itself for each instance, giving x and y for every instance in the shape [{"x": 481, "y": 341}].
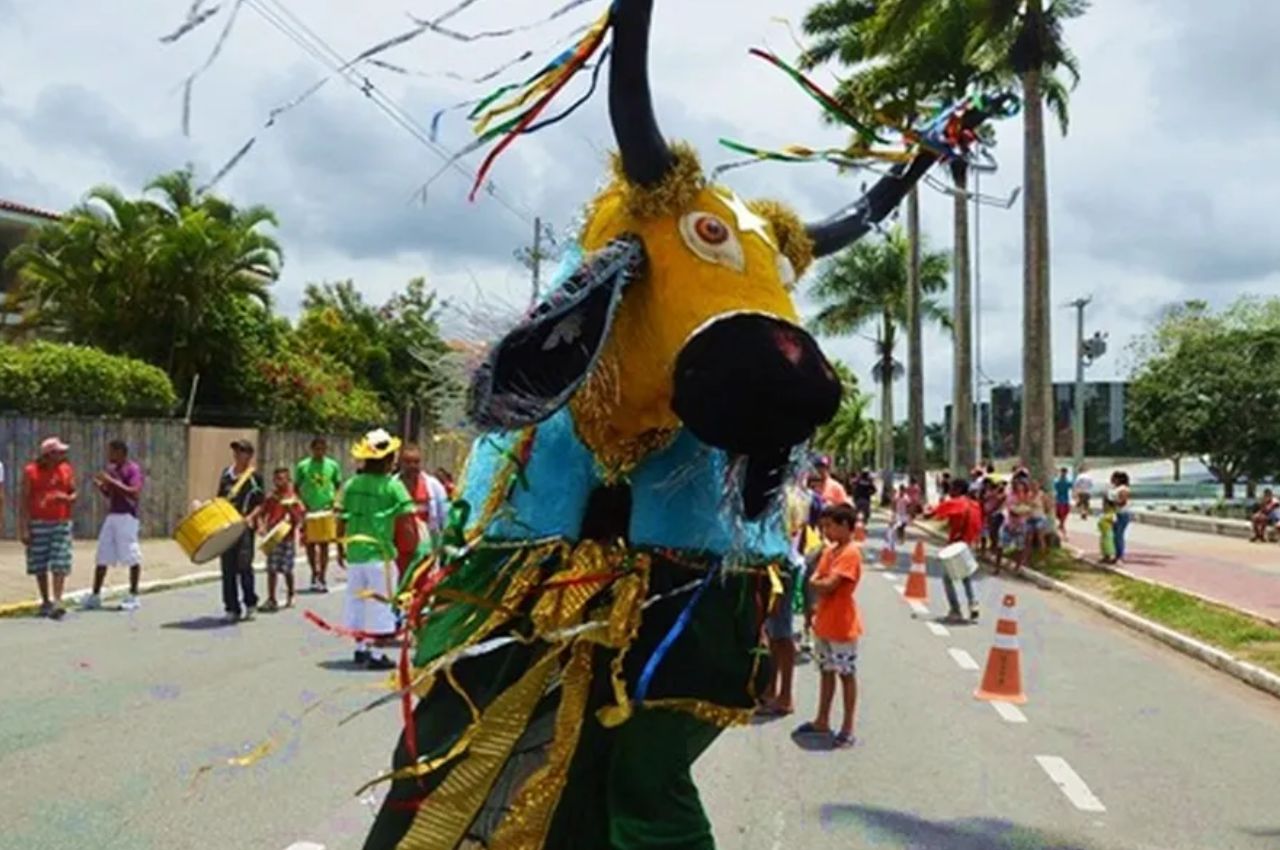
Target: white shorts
[
  {"x": 118, "y": 542},
  {"x": 365, "y": 614},
  {"x": 838, "y": 658}
]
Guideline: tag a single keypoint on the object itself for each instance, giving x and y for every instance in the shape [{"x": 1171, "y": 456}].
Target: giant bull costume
[{"x": 597, "y": 623}]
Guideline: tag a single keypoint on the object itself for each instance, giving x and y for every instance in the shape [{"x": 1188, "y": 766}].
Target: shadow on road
[
  {"x": 878, "y": 825},
  {"x": 342, "y": 665},
  {"x": 199, "y": 624}
]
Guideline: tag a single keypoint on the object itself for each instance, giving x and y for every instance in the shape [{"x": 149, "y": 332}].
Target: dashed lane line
[
  {"x": 962, "y": 658},
  {"x": 305, "y": 845},
  {"x": 1009, "y": 712},
  {"x": 918, "y": 607},
  {"x": 938, "y": 629},
  {"x": 1070, "y": 783}
]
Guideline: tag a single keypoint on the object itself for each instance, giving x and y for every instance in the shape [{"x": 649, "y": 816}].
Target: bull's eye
[
  {"x": 712, "y": 240},
  {"x": 786, "y": 272}
]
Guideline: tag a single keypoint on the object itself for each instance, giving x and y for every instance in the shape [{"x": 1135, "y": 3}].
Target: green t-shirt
[
  {"x": 317, "y": 482},
  {"x": 370, "y": 505}
]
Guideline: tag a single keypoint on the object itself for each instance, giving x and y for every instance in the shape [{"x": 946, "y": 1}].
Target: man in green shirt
[
  {"x": 367, "y": 511},
  {"x": 317, "y": 479}
]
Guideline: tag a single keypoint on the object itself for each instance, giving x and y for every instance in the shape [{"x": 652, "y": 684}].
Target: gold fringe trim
[
  {"x": 675, "y": 194},
  {"x": 793, "y": 239},
  {"x": 593, "y": 407},
  {"x": 442, "y": 821},
  {"x": 708, "y": 712},
  {"x": 529, "y": 819}
]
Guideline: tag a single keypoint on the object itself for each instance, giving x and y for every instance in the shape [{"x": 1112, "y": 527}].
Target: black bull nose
[{"x": 753, "y": 384}]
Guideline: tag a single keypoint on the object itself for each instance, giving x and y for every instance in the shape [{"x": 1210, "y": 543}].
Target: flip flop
[{"x": 843, "y": 741}]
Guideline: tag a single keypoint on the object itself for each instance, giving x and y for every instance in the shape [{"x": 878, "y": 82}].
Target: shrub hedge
[{"x": 50, "y": 378}]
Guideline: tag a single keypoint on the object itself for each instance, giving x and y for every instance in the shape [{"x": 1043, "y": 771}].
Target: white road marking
[
  {"x": 962, "y": 658},
  {"x": 888, "y": 576},
  {"x": 918, "y": 607},
  {"x": 938, "y": 629},
  {"x": 305, "y": 845},
  {"x": 1070, "y": 783},
  {"x": 1009, "y": 712}
]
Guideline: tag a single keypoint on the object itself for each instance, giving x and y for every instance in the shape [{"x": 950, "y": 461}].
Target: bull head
[{"x": 681, "y": 312}]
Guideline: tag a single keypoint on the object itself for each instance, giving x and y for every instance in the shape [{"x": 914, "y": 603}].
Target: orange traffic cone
[
  {"x": 1002, "y": 680},
  {"x": 860, "y": 532},
  {"x": 888, "y": 556},
  {"x": 917, "y": 557},
  {"x": 917, "y": 581}
]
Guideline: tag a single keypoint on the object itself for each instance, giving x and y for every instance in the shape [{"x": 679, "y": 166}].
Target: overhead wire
[{"x": 279, "y": 16}]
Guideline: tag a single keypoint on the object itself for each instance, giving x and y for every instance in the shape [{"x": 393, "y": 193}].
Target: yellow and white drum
[
  {"x": 322, "y": 527},
  {"x": 277, "y": 535},
  {"x": 209, "y": 530}
]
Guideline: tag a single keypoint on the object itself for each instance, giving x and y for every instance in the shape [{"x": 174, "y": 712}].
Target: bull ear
[{"x": 539, "y": 365}]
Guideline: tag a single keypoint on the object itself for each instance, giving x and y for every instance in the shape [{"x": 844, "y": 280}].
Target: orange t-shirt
[
  {"x": 836, "y": 618},
  {"x": 44, "y": 482},
  {"x": 833, "y": 493}
]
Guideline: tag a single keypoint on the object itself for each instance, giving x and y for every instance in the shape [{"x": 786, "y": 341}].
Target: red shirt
[
  {"x": 964, "y": 519},
  {"x": 43, "y": 482},
  {"x": 407, "y": 531},
  {"x": 281, "y": 506},
  {"x": 836, "y": 616}
]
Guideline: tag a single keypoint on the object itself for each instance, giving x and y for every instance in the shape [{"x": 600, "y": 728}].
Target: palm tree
[
  {"x": 1025, "y": 38},
  {"x": 844, "y": 31},
  {"x": 850, "y": 435},
  {"x": 162, "y": 280},
  {"x": 866, "y": 284}
]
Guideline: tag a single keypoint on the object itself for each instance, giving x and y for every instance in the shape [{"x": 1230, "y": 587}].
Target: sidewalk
[
  {"x": 162, "y": 559},
  {"x": 1233, "y": 572}
]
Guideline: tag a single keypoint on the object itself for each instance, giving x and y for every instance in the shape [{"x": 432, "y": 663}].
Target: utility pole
[{"x": 532, "y": 256}]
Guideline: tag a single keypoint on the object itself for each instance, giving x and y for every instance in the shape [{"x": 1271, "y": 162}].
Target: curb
[
  {"x": 1250, "y": 674},
  {"x": 1080, "y": 556},
  {"x": 116, "y": 591}
]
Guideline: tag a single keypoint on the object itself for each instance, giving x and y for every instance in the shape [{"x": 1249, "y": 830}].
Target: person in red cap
[{"x": 44, "y": 522}]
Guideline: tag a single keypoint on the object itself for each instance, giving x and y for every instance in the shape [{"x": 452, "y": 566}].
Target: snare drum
[
  {"x": 321, "y": 527},
  {"x": 277, "y": 535},
  {"x": 209, "y": 530},
  {"x": 958, "y": 560}
]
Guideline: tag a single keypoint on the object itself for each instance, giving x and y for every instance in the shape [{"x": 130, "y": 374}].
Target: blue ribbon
[{"x": 651, "y": 666}]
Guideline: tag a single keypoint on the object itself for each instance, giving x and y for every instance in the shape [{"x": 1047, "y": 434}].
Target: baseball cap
[
  {"x": 242, "y": 446},
  {"x": 52, "y": 444}
]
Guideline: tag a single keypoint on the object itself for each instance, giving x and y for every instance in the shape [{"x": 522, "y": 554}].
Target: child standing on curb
[
  {"x": 836, "y": 624},
  {"x": 1106, "y": 531}
]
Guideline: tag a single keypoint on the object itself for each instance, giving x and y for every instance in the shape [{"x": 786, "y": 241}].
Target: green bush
[{"x": 48, "y": 378}]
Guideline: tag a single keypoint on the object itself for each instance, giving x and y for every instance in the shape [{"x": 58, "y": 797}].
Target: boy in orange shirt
[{"x": 836, "y": 624}]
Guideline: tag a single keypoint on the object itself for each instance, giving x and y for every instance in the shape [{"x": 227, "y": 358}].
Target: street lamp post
[{"x": 1087, "y": 351}]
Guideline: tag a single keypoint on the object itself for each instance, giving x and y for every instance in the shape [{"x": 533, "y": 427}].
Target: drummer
[
  {"x": 282, "y": 505},
  {"x": 241, "y": 485},
  {"x": 317, "y": 479},
  {"x": 964, "y": 525}
]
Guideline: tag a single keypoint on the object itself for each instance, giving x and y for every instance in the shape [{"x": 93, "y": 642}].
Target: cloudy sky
[{"x": 1160, "y": 192}]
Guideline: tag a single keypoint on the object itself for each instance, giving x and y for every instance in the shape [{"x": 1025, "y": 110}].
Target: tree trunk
[
  {"x": 915, "y": 344},
  {"x": 1038, "y": 427},
  {"x": 962, "y": 449},
  {"x": 1229, "y": 487},
  {"x": 1251, "y": 488},
  {"x": 886, "y": 412},
  {"x": 1177, "y": 469}
]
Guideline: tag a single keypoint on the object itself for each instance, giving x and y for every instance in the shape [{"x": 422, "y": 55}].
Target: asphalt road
[{"x": 106, "y": 719}]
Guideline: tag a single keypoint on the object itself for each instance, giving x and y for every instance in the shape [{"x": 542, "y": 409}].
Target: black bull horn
[{"x": 647, "y": 159}]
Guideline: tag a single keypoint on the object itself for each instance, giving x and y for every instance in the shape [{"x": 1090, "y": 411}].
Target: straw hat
[{"x": 375, "y": 445}]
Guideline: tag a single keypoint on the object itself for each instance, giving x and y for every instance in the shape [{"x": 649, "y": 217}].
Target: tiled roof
[{"x": 23, "y": 209}]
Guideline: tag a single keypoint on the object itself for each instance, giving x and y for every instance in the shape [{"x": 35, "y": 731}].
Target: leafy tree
[
  {"x": 166, "y": 280},
  {"x": 868, "y": 284},
  {"x": 395, "y": 350},
  {"x": 1205, "y": 386}
]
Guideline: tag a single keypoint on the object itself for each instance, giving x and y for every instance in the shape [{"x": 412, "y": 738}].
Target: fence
[
  {"x": 181, "y": 463},
  {"x": 159, "y": 446}
]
